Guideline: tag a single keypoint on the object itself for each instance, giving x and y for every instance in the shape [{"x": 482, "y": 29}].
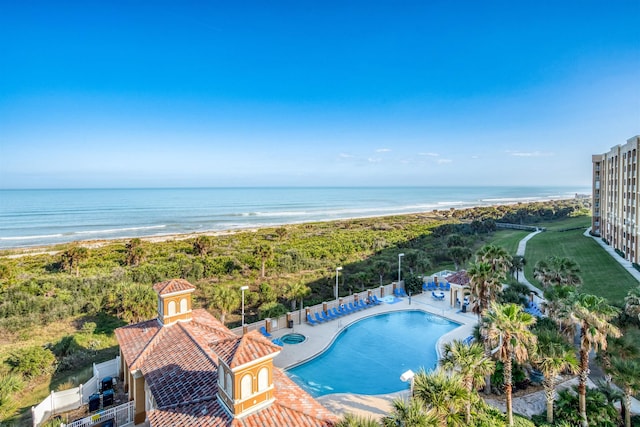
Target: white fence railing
[
  {"x": 121, "y": 414},
  {"x": 67, "y": 400}
]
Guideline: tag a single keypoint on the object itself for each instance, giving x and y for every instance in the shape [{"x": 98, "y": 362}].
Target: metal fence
[{"x": 121, "y": 414}]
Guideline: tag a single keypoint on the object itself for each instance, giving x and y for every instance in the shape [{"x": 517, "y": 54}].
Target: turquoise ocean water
[{"x": 44, "y": 217}]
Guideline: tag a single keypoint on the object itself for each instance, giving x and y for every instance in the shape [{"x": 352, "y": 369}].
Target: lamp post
[
  {"x": 243, "y": 288},
  {"x": 399, "y": 266},
  {"x": 408, "y": 376},
  {"x": 336, "y": 291}
]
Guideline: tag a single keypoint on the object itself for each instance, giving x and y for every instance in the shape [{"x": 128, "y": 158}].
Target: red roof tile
[
  {"x": 240, "y": 350},
  {"x": 459, "y": 278},
  {"x": 173, "y": 285}
]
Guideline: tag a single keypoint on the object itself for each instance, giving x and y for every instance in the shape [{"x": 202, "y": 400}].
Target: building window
[
  {"x": 172, "y": 308},
  {"x": 183, "y": 305},
  {"x": 263, "y": 379},
  {"x": 246, "y": 388},
  {"x": 228, "y": 384}
]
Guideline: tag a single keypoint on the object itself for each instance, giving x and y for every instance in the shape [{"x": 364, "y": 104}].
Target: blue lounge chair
[
  {"x": 424, "y": 287},
  {"x": 278, "y": 341},
  {"x": 468, "y": 340},
  {"x": 264, "y": 332},
  {"x": 352, "y": 307},
  {"x": 337, "y": 313},
  {"x": 311, "y": 321},
  {"x": 318, "y": 318},
  {"x": 447, "y": 286},
  {"x": 326, "y": 317},
  {"x": 376, "y": 301},
  {"x": 361, "y": 304}
]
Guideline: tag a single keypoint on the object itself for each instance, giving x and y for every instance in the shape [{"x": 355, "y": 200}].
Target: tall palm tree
[
  {"x": 484, "y": 285},
  {"x": 626, "y": 372},
  {"x": 224, "y": 299},
  {"x": 497, "y": 256},
  {"x": 264, "y": 252},
  {"x": 552, "y": 357},
  {"x": 472, "y": 365},
  {"x": 555, "y": 270},
  {"x": 72, "y": 257},
  {"x": 517, "y": 265},
  {"x": 202, "y": 245},
  {"x": 381, "y": 268},
  {"x": 411, "y": 413},
  {"x": 135, "y": 252},
  {"x": 294, "y": 291},
  {"x": 593, "y": 315},
  {"x": 509, "y": 325},
  {"x": 443, "y": 394}
]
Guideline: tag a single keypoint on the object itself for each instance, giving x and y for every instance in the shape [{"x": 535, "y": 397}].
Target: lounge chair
[
  {"x": 311, "y": 321},
  {"x": 278, "y": 341},
  {"x": 468, "y": 340},
  {"x": 318, "y": 318},
  {"x": 326, "y": 317},
  {"x": 264, "y": 332},
  {"x": 437, "y": 297},
  {"x": 424, "y": 287},
  {"x": 376, "y": 301},
  {"x": 352, "y": 307},
  {"x": 361, "y": 304},
  {"x": 337, "y": 313},
  {"x": 447, "y": 286}
]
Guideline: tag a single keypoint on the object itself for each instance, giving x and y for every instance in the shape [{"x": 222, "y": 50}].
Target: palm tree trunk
[
  {"x": 508, "y": 387},
  {"x": 549, "y": 392},
  {"x": 582, "y": 385},
  {"x": 627, "y": 407}
]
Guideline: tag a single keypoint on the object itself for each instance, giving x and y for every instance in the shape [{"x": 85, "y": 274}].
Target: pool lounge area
[{"x": 320, "y": 337}]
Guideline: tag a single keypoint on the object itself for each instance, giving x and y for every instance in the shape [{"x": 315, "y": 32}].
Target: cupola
[{"x": 174, "y": 300}]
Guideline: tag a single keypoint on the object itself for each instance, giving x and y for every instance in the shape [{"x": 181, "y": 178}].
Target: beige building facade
[{"x": 615, "y": 191}]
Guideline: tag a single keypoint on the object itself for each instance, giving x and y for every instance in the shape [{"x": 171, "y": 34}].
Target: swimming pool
[{"x": 369, "y": 356}]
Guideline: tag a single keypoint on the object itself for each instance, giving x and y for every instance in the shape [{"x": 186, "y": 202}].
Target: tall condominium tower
[{"x": 616, "y": 196}]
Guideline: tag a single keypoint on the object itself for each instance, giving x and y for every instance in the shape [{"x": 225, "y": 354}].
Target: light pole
[
  {"x": 408, "y": 376},
  {"x": 337, "y": 271},
  {"x": 243, "y": 288},
  {"x": 399, "y": 266}
]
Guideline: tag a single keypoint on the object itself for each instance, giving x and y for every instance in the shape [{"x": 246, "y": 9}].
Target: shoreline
[{"x": 21, "y": 251}]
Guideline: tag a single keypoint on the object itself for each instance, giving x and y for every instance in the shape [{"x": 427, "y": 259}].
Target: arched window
[
  {"x": 263, "y": 379},
  {"x": 228, "y": 385},
  {"x": 172, "y": 308},
  {"x": 246, "y": 388},
  {"x": 183, "y": 305}
]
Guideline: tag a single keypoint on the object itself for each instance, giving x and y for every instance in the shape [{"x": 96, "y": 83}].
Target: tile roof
[
  {"x": 237, "y": 351},
  {"x": 173, "y": 285},
  {"x": 459, "y": 278},
  {"x": 179, "y": 364}
]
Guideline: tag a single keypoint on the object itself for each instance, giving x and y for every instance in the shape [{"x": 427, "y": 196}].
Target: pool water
[
  {"x": 369, "y": 356},
  {"x": 293, "y": 338}
]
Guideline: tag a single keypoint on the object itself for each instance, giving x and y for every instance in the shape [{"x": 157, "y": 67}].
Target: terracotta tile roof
[
  {"x": 173, "y": 285},
  {"x": 237, "y": 351},
  {"x": 134, "y": 339},
  {"x": 459, "y": 278}
]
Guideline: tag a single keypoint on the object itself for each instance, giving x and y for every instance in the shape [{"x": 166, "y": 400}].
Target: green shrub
[{"x": 31, "y": 361}]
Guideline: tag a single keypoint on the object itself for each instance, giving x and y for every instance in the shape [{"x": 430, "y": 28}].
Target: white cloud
[
  {"x": 475, "y": 157},
  {"x": 374, "y": 160},
  {"x": 443, "y": 161},
  {"x": 529, "y": 153},
  {"x": 345, "y": 156},
  {"x": 429, "y": 154},
  {"x": 383, "y": 150}
]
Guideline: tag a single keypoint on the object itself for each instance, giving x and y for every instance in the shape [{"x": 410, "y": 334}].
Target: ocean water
[{"x": 44, "y": 217}]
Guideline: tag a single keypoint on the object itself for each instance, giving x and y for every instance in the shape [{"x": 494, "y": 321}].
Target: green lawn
[
  {"x": 601, "y": 274},
  {"x": 508, "y": 239}
]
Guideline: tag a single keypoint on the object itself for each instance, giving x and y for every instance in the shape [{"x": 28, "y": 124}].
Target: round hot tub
[{"x": 293, "y": 338}]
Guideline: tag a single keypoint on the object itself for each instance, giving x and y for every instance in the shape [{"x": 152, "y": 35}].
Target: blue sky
[{"x": 154, "y": 93}]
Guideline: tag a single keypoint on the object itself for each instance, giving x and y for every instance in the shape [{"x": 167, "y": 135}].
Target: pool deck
[{"x": 321, "y": 336}]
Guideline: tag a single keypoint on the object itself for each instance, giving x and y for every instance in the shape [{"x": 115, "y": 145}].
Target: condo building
[{"x": 616, "y": 197}]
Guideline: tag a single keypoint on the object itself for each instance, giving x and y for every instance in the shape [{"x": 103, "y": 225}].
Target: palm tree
[
  {"x": 556, "y": 270},
  {"x": 202, "y": 245},
  {"x": 296, "y": 290},
  {"x": 632, "y": 302},
  {"x": 509, "y": 325},
  {"x": 352, "y": 420},
  {"x": 135, "y": 252},
  {"x": 224, "y": 299},
  {"x": 517, "y": 265},
  {"x": 552, "y": 357},
  {"x": 443, "y": 394},
  {"x": 626, "y": 372},
  {"x": 381, "y": 268},
  {"x": 411, "y": 413},
  {"x": 592, "y": 314},
  {"x": 459, "y": 255},
  {"x": 497, "y": 256},
  {"x": 72, "y": 257},
  {"x": 472, "y": 365},
  {"x": 484, "y": 284},
  {"x": 264, "y": 252}
]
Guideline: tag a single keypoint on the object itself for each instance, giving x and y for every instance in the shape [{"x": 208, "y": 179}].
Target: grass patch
[
  {"x": 601, "y": 274},
  {"x": 508, "y": 239}
]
